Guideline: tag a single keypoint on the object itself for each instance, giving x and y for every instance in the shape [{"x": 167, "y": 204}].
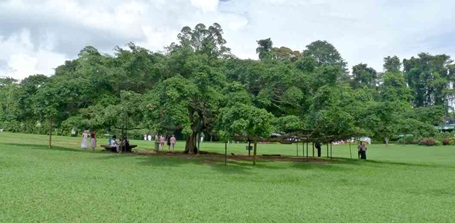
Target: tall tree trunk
[
  {"x": 254, "y": 151},
  {"x": 190, "y": 146},
  {"x": 50, "y": 132}
]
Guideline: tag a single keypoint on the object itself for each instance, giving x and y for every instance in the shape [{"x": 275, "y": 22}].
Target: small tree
[
  {"x": 244, "y": 120},
  {"x": 47, "y": 107}
]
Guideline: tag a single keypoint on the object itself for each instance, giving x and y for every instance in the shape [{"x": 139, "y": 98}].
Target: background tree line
[{"x": 197, "y": 85}]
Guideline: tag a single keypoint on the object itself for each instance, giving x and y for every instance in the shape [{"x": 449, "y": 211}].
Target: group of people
[
  {"x": 161, "y": 140},
  {"x": 170, "y": 141},
  {"x": 85, "y": 136},
  {"x": 119, "y": 145}
]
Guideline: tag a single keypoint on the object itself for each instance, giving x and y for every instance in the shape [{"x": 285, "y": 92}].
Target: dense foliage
[{"x": 198, "y": 86}]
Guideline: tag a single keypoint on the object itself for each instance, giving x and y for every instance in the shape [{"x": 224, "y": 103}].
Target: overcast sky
[{"x": 38, "y": 35}]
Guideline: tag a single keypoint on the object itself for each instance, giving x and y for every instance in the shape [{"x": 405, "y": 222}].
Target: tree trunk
[
  {"x": 50, "y": 133},
  {"x": 254, "y": 152},
  {"x": 190, "y": 146},
  {"x": 387, "y": 142},
  {"x": 313, "y": 148}
]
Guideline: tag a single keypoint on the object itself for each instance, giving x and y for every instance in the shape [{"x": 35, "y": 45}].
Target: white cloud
[
  {"x": 16, "y": 63},
  {"x": 37, "y": 36},
  {"x": 22, "y": 57},
  {"x": 206, "y": 5}
]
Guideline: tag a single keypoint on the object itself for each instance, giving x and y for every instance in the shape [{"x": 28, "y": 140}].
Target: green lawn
[{"x": 65, "y": 184}]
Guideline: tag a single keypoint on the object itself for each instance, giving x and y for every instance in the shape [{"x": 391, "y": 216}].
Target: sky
[{"x": 36, "y": 36}]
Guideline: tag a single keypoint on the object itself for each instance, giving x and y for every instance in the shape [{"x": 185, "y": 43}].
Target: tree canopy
[{"x": 197, "y": 86}]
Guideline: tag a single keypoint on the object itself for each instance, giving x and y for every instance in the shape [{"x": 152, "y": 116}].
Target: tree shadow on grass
[
  {"x": 235, "y": 164},
  {"x": 42, "y": 147},
  {"x": 325, "y": 165},
  {"x": 318, "y": 166},
  {"x": 233, "y": 167},
  {"x": 109, "y": 155},
  {"x": 379, "y": 163}
]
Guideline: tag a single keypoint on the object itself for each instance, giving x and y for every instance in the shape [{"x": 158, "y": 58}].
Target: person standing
[
  {"x": 363, "y": 152},
  {"x": 161, "y": 142},
  {"x": 93, "y": 140},
  {"x": 168, "y": 141},
  {"x": 84, "y": 139},
  {"x": 358, "y": 149},
  {"x": 173, "y": 140},
  {"x": 318, "y": 147}
]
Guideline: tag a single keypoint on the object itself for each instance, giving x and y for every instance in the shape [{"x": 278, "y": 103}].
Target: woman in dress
[
  {"x": 161, "y": 142},
  {"x": 93, "y": 141},
  {"x": 84, "y": 139},
  {"x": 173, "y": 140}
]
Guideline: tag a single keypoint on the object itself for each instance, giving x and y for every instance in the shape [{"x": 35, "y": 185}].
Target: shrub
[
  {"x": 428, "y": 142},
  {"x": 409, "y": 140},
  {"x": 437, "y": 142},
  {"x": 446, "y": 141}
]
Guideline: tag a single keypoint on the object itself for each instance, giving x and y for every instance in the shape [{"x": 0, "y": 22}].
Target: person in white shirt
[{"x": 113, "y": 142}]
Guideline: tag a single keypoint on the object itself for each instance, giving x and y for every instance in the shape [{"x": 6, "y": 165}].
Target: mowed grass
[{"x": 66, "y": 184}]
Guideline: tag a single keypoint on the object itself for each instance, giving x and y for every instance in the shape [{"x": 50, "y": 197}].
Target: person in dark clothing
[
  {"x": 363, "y": 152},
  {"x": 318, "y": 147},
  {"x": 169, "y": 144},
  {"x": 124, "y": 145},
  {"x": 358, "y": 149}
]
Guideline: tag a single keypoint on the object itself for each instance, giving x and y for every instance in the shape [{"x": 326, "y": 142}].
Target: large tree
[
  {"x": 364, "y": 76},
  {"x": 188, "y": 99},
  {"x": 9, "y": 108},
  {"x": 285, "y": 54},
  {"x": 187, "y": 86},
  {"x": 204, "y": 40},
  {"x": 429, "y": 77},
  {"x": 392, "y": 64},
  {"x": 264, "y": 49},
  {"x": 325, "y": 54}
]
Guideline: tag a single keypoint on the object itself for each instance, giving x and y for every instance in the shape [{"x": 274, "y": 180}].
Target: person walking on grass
[
  {"x": 93, "y": 140},
  {"x": 173, "y": 140}
]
